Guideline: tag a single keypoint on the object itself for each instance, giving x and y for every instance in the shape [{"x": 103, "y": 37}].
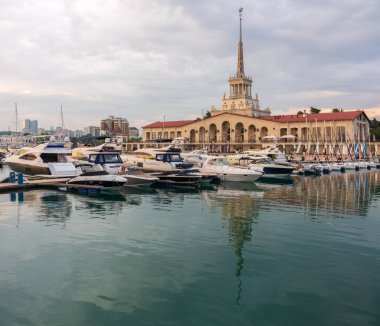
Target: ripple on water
[{"x": 304, "y": 253}]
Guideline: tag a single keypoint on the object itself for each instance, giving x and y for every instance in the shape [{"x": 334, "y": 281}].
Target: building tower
[{"x": 240, "y": 98}]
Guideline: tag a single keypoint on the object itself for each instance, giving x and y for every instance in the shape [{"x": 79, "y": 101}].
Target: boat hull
[
  {"x": 29, "y": 169},
  {"x": 107, "y": 181},
  {"x": 139, "y": 181},
  {"x": 230, "y": 177}
]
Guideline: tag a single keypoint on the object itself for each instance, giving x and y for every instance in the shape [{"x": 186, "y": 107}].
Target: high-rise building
[
  {"x": 33, "y": 126},
  {"x": 26, "y": 126},
  {"x": 92, "y": 130},
  {"x": 114, "y": 125}
]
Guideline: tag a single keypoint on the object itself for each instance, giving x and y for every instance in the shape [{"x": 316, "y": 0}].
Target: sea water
[{"x": 306, "y": 252}]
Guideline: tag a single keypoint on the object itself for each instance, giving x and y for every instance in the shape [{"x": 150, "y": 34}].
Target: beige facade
[
  {"x": 241, "y": 129},
  {"x": 241, "y": 123}
]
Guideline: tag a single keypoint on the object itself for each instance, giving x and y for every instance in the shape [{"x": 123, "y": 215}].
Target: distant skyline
[{"x": 144, "y": 60}]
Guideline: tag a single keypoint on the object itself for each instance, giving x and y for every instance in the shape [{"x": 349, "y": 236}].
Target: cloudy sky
[{"x": 145, "y": 59}]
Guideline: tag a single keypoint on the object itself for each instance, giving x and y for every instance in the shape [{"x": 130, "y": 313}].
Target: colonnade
[{"x": 242, "y": 133}]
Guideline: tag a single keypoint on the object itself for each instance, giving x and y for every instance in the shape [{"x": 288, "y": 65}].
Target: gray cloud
[{"x": 144, "y": 59}]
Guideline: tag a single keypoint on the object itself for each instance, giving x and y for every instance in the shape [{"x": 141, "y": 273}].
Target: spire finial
[{"x": 240, "y": 65}]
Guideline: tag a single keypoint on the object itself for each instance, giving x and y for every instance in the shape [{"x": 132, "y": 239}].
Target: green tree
[
  {"x": 314, "y": 110},
  {"x": 335, "y": 110},
  {"x": 74, "y": 141},
  {"x": 300, "y": 113},
  {"x": 374, "y": 129},
  {"x": 207, "y": 114}
]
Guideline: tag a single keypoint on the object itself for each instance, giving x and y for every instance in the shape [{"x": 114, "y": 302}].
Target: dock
[{"x": 44, "y": 183}]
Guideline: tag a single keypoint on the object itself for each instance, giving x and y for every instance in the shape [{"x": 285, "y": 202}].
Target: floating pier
[{"x": 43, "y": 183}]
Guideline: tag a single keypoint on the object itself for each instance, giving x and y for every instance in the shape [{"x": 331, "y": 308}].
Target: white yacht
[
  {"x": 107, "y": 167},
  {"x": 273, "y": 153},
  {"x": 156, "y": 160},
  {"x": 217, "y": 165},
  {"x": 45, "y": 159},
  {"x": 111, "y": 162},
  {"x": 83, "y": 152},
  {"x": 95, "y": 175},
  {"x": 197, "y": 157},
  {"x": 269, "y": 167}
]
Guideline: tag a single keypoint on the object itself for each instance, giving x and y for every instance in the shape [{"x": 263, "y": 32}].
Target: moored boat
[
  {"x": 45, "y": 159},
  {"x": 217, "y": 165},
  {"x": 267, "y": 166},
  {"x": 156, "y": 160}
]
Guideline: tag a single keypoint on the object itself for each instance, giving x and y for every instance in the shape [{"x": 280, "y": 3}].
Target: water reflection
[
  {"x": 335, "y": 195},
  {"x": 152, "y": 260},
  {"x": 316, "y": 198},
  {"x": 99, "y": 206},
  {"x": 55, "y": 207},
  {"x": 239, "y": 206},
  {"x": 51, "y": 207}
]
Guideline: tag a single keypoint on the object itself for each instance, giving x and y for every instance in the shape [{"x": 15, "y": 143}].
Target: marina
[
  {"x": 163, "y": 197},
  {"x": 260, "y": 253}
]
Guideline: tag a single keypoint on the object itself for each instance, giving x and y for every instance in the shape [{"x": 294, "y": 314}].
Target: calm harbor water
[{"x": 305, "y": 253}]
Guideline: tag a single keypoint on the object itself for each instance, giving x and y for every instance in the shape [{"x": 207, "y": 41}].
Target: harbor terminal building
[{"x": 240, "y": 123}]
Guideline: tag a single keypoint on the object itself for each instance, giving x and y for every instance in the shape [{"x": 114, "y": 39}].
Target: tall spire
[{"x": 240, "y": 65}]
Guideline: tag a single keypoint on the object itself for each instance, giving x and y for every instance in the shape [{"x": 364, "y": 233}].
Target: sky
[{"x": 147, "y": 59}]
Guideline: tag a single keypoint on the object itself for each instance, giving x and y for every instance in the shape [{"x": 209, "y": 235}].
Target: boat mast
[{"x": 62, "y": 123}]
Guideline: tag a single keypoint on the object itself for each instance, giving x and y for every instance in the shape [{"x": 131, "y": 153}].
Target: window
[
  {"x": 28, "y": 157},
  {"x": 21, "y": 151},
  {"x": 112, "y": 158},
  {"x": 96, "y": 158},
  {"x": 160, "y": 157},
  {"x": 175, "y": 158},
  {"x": 49, "y": 157}
]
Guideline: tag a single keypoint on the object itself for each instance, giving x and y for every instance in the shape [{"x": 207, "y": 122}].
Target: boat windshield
[
  {"x": 169, "y": 157},
  {"x": 218, "y": 162},
  {"x": 267, "y": 160},
  {"x": 112, "y": 158},
  {"x": 53, "y": 158},
  {"x": 105, "y": 158},
  {"x": 223, "y": 163}
]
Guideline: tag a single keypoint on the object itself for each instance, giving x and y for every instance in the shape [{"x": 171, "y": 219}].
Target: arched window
[
  {"x": 263, "y": 132},
  {"x": 202, "y": 134},
  {"x": 226, "y": 132},
  {"x": 252, "y": 134},
  {"x": 239, "y": 133},
  {"x": 212, "y": 133},
  {"x": 192, "y": 136}
]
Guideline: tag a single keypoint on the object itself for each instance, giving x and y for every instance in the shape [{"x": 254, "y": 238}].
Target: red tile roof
[
  {"x": 331, "y": 116},
  {"x": 170, "y": 124}
]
